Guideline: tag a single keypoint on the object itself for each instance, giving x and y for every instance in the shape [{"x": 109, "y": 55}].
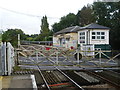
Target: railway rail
[
  {"x": 107, "y": 76},
  {"x": 57, "y": 79},
  {"x": 73, "y": 79}
]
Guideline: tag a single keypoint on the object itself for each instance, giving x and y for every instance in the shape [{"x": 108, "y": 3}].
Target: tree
[
  {"x": 66, "y": 21},
  {"x": 31, "y": 37},
  {"x": 0, "y": 36},
  {"x": 102, "y": 13},
  {"x": 11, "y": 35},
  {"x": 85, "y": 16},
  {"x": 45, "y": 31},
  {"x": 108, "y": 14}
]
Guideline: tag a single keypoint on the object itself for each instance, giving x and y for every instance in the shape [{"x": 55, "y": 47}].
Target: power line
[{"x": 30, "y": 15}]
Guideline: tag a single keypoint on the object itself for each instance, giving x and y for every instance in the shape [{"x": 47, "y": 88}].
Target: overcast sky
[{"x": 27, "y": 14}]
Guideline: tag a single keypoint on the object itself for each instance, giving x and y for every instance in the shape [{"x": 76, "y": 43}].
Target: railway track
[
  {"x": 117, "y": 71},
  {"x": 107, "y": 76},
  {"x": 56, "y": 79},
  {"x": 73, "y": 80}
]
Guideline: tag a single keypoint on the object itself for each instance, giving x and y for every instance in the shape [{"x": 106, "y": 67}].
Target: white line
[{"x": 34, "y": 82}]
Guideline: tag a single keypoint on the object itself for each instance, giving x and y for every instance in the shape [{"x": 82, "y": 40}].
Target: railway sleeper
[
  {"x": 47, "y": 77},
  {"x": 22, "y": 72},
  {"x": 52, "y": 77},
  {"x": 87, "y": 77},
  {"x": 57, "y": 76},
  {"x": 106, "y": 78},
  {"x": 55, "y": 79},
  {"x": 62, "y": 78},
  {"x": 109, "y": 78},
  {"x": 112, "y": 74}
]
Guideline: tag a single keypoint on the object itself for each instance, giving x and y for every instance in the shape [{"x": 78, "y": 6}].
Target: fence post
[
  {"x": 100, "y": 53},
  {"x": 37, "y": 56},
  {"x": 4, "y": 61},
  {"x": 78, "y": 56},
  {"x": 18, "y": 40},
  {"x": 57, "y": 58},
  {"x": 5, "y": 58},
  {"x": 10, "y": 60}
]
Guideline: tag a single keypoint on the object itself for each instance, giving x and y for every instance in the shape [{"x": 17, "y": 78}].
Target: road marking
[{"x": 34, "y": 82}]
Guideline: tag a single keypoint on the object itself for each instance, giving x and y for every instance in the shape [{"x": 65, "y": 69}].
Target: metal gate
[{"x": 6, "y": 58}]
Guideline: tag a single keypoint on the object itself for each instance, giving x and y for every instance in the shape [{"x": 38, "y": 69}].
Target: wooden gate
[{"x": 43, "y": 56}]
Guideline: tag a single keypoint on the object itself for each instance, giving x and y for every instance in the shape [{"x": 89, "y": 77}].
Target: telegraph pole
[
  {"x": 18, "y": 49},
  {"x": 18, "y": 40}
]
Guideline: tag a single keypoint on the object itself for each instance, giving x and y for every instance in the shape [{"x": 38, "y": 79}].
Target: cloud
[{"x": 53, "y": 9}]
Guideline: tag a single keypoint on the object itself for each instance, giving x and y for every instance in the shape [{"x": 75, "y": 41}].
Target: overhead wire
[{"x": 31, "y": 15}]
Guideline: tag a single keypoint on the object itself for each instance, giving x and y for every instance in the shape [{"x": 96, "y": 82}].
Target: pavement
[
  {"x": 6, "y": 81},
  {"x": 1, "y": 82},
  {"x": 20, "y": 82}
]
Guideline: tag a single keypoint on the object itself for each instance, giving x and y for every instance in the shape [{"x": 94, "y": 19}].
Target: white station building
[{"x": 90, "y": 37}]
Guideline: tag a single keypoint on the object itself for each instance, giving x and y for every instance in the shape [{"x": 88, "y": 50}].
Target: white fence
[
  {"x": 27, "y": 54},
  {"x": 6, "y": 58}
]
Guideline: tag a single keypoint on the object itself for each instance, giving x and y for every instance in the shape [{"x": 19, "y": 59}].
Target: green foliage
[
  {"x": 32, "y": 37},
  {"x": 45, "y": 31},
  {"x": 16, "y": 68},
  {"x": 66, "y": 21},
  {"x": 85, "y": 16},
  {"x": 11, "y": 35},
  {"x": 103, "y": 13},
  {"x": 0, "y": 35},
  {"x": 108, "y": 14}
]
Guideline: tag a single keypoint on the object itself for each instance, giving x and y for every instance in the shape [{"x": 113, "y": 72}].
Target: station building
[{"x": 89, "y": 37}]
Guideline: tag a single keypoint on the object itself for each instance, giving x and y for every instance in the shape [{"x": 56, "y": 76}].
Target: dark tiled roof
[
  {"x": 77, "y": 28},
  {"x": 68, "y": 30},
  {"x": 94, "y": 26}
]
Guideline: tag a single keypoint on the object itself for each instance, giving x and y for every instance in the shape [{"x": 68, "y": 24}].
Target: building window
[
  {"x": 102, "y": 37},
  {"x": 102, "y": 33},
  {"x": 93, "y": 33},
  {"x": 98, "y": 35},
  {"x": 93, "y": 37},
  {"x": 82, "y": 37}
]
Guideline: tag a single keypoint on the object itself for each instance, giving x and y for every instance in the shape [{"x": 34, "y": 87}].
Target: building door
[{"x": 60, "y": 41}]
